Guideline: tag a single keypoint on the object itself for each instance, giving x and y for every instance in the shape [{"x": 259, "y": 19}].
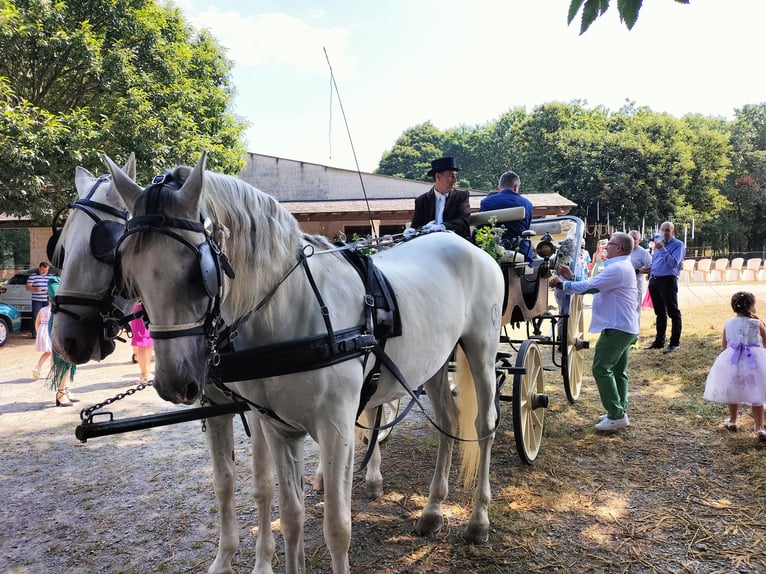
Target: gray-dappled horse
[{"x": 288, "y": 287}]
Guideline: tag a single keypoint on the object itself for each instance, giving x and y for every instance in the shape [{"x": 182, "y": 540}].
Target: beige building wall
[
  {"x": 38, "y": 245},
  {"x": 291, "y": 180}
]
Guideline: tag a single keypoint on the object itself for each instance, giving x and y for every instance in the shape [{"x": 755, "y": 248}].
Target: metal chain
[{"x": 86, "y": 414}]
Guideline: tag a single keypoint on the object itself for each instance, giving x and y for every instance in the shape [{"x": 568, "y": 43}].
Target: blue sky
[{"x": 399, "y": 63}]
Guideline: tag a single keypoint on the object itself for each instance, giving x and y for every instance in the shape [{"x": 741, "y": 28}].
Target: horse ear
[
  {"x": 83, "y": 180},
  {"x": 130, "y": 166},
  {"x": 192, "y": 187},
  {"x": 128, "y": 189}
]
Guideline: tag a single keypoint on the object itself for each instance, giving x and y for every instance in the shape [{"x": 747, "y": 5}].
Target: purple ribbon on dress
[{"x": 740, "y": 348}]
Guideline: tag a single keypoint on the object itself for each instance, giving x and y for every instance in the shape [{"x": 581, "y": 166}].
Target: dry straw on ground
[{"x": 672, "y": 493}]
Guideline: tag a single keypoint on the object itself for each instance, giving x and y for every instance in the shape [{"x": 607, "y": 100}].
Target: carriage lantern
[{"x": 545, "y": 247}]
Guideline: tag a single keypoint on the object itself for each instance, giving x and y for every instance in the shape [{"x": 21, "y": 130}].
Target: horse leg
[
  {"x": 317, "y": 484},
  {"x": 288, "y": 453},
  {"x": 263, "y": 493},
  {"x": 481, "y": 379},
  {"x": 337, "y": 447},
  {"x": 220, "y": 437},
  {"x": 440, "y": 395},
  {"x": 373, "y": 478}
]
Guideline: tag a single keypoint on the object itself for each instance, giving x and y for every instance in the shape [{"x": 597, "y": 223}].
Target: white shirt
[
  {"x": 441, "y": 199},
  {"x": 614, "y": 302},
  {"x": 640, "y": 257}
]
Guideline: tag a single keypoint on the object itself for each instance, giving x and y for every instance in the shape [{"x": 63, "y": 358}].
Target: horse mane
[{"x": 260, "y": 238}]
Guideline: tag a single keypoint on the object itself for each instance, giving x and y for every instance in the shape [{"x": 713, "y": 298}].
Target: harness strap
[
  {"x": 322, "y": 307},
  {"x": 295, "y": 356},
  {"x": 391, "y": 366}
]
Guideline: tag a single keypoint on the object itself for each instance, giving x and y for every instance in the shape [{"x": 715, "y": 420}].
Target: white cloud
[{"x": 277, "y": 41}]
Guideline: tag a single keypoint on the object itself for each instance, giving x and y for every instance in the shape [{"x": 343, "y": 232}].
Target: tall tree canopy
[
  {"x": 630, "y": 166},
  {"x": 86, "y": 77}
]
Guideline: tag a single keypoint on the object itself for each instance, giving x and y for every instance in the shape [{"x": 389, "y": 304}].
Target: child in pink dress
[
  {"x": 142, "y": 344},
  {"x": 738, "y": 375}
]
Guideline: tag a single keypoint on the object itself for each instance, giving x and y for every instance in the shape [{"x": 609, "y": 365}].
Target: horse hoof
[
  {"x": 429, "y": 524},
  {"x": 374, "y": 490},
  {"x": 476, "y": 534}
]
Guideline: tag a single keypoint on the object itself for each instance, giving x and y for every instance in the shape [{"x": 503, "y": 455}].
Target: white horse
[
  {"x": 449, "y": 293},
  {"x": 87, "y": 297}
]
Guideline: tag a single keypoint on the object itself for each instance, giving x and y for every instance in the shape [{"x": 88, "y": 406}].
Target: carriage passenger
[
  {"x": 443, "y": 207},
  {"x": 508, "y": 196}
]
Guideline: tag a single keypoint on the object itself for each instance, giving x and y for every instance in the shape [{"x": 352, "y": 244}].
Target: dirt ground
[{"x": 673, "y": 493}]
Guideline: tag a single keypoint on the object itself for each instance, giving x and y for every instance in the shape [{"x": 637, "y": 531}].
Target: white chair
[
  {"x": 718, "y": 272},
  {"x": 703, "y": 269},
  {"x": 687, "y": 270},
  {"x": 734, "y": 272},
  {"x": 750, "y": 272}
]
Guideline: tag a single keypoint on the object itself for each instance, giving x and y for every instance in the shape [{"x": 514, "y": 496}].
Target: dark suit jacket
[{"x": 456, "y": 211}]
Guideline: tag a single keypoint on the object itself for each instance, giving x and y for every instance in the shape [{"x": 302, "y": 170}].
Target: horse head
[
  {"x": 168, "y": 258},
  {"x": 85, "y": 322}
]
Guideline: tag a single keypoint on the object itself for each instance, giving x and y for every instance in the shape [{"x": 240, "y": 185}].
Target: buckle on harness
[
  {"x": 366, "y": 342},
  {"x": 369, "y": 301}
]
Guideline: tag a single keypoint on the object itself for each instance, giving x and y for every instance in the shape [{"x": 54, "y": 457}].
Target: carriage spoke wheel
[
  {"x": 529, "y": 402},
  {"x": 390, "y": 410},
  {"x": 572, "y": 357}
]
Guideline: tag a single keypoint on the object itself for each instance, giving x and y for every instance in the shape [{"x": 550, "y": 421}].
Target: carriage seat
[
  {"x": 500, "y": 215},
  {"x": 549, "y": 227}
]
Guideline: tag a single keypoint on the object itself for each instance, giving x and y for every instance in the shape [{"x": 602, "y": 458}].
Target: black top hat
[{"x": 443, "y": 164}]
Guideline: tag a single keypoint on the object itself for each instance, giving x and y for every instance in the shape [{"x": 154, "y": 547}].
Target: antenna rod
[{"x": 351, "y": 141}]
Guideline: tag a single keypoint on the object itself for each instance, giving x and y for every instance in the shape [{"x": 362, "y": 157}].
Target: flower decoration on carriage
[
  {"x": 565, "y": 252},
  {"x": 489, "y": 238}
]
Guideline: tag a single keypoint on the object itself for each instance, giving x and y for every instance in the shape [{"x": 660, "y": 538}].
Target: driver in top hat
[{"x": 443, "y": 207}]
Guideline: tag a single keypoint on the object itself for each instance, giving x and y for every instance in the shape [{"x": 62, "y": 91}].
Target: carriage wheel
[
  {"x": 572, "y": 359},
  {"x": 529, "y": 402},
  {"x": 390, "y": 410}
]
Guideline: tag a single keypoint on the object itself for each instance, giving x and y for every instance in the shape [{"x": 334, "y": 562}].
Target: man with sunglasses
[{"x": 615, "y": 316}]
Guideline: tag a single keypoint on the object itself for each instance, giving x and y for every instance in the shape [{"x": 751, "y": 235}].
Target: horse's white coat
[{"x": 449, "y": 292}]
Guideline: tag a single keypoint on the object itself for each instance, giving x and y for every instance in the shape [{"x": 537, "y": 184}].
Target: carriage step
[{"x": 551, "y": 368}]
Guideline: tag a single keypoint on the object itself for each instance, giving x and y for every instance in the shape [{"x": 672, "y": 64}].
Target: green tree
[
  {"x": 592, "y": 9},
  {"x": 85, "y": 77},
  {"x": 413, "y": 151}
]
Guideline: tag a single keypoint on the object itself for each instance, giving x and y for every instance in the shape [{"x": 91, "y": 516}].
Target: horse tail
[{"x": 468, "y": 411}]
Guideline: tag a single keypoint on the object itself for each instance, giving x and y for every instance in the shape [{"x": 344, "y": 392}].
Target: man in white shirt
[{"x": 615, "y": 315}]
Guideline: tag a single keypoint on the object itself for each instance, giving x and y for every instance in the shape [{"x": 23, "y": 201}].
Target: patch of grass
[{"x": 674, "y": 492}]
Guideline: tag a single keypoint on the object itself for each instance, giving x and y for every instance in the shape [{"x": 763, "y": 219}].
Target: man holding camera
[{"x": 667, "y": 260}]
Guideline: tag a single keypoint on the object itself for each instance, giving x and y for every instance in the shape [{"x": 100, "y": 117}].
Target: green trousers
[{"x": 610, "y": 369}]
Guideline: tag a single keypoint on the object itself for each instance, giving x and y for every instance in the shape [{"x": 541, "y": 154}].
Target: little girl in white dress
[{"x": 738, "y": 375}]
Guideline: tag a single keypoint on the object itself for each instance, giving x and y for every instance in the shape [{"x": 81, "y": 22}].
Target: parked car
[
  {"x": 15, "y": 294},
  {"x": 10, "y": 322}
]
